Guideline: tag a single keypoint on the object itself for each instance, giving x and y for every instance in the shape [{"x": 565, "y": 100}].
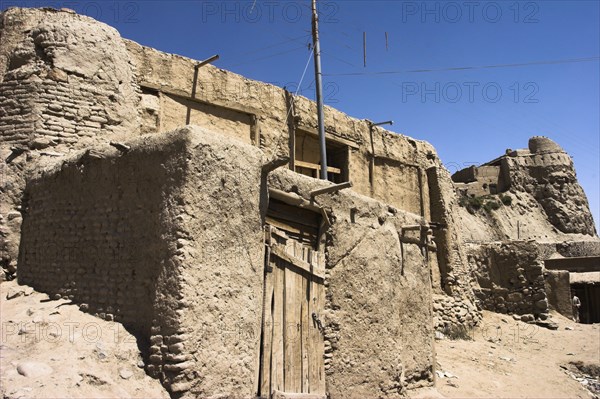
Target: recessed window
[{"x": 308, "y": 157}]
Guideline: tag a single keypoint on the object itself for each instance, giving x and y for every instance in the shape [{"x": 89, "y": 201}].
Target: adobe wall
[
  {"x": 134, "y": 240},
  {"x": 558, "y": 291},
  {"x": 383, "y": 165},
  {"x": 64, "y": 78},
  {"x": 378, "y": 329},
  {"x": 65, "y": 83},
  {"x": 454, "y": 303},
  {"x": 510, "y": 277},
  {"x": 69, "y": 82},
  {"x": 96, "y": 230},
  {"x": 129, "y": 238}
]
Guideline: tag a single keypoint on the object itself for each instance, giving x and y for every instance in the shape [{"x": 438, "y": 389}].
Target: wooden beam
[
  {"x": 314, "y": 166},
  {"x": 278, "y": 251},
  {"x": 330, "y": 189},
  {"x": 185, "y": 95},
  {"x": 331, "y": 137}
]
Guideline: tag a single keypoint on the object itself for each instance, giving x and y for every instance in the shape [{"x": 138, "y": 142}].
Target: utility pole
[{"x": 319, "y": 84}]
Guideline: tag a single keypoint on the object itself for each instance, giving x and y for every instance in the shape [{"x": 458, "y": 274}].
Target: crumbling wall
[
  {"x": 549, "y": 176},
  {"x": 66, "y": 78},
  {"x": 378, "y": 330},
  {"x": 454, "y": 303},
  {"x": 129, "y": 237},
  {"x": 222, "y": 262},
  {"x": 558, "y": 291},
  {"x": 65, "y": 83},
  {"x": 510, "y": 277}
]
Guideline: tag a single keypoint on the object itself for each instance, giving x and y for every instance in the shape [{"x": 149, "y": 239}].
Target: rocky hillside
[{"x": 541, "y": 199}]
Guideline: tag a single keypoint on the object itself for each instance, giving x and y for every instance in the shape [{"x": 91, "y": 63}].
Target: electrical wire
[
  {"x": 268, "y": 56},
  {"x": 300, "y": 83},
  {"x": 551, "y": 62},
  {"x": 296, "y": 39}
]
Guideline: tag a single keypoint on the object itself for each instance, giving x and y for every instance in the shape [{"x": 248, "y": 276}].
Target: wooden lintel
[
  {"x": 333, "y": 138},
  {"x": 186, "y": 96}
]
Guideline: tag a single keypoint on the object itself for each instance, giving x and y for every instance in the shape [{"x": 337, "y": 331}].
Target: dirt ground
[
  {"x": 511, "y": 359},
  {"x": 50, "y": 349}
]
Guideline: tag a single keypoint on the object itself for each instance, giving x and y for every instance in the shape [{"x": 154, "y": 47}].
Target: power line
[
  {"x": 276, "y": 44},
  {"x": 564, "y": 61},
  {"x": 267, "y": 57}
]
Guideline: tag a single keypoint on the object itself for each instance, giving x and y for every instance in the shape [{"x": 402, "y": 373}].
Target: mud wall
[
  {"x": 453, "y": 301},
  {"x": 65, "y": 83},
  {"x": 222, "y": 263},
  {"x": 64, "y": 78},
  {"x": 258, "y": 113},
  {"x": 378, "y": 330},
  {"x": 97, "y": 228},
  {"x": 558, "y": 291},
  {"x": 128, "y": 237},
  {"x": 510, "y": 277}
]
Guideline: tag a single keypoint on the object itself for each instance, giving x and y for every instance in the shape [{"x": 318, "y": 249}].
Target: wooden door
[{"x": 292, "y": 333}]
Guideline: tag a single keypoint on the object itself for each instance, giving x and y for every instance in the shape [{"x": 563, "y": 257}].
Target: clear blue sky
[{"x": 470, "y": 115}]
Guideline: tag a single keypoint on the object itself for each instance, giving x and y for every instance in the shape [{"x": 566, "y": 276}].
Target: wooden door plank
[
  {"x": 292, "y": 350},
  {"x": 267, "y": 334},
  {"x": 305, "y": 330},
  {"x": 277, "y": 372},
  {"x": 316, "y": 340}
]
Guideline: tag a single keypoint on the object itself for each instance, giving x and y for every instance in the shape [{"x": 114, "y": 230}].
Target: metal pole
[
  {"x": 319, "y": 84},
  {"x": 195, "y": 83}
]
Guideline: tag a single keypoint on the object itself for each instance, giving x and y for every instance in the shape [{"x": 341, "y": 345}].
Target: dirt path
[
  {"x": 50, "y": 349},
  {"x": 512, "y": 359},
  {"x": 70, "y": 354}
]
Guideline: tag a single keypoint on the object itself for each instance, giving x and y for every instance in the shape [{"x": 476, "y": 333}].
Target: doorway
[{"x": 292, "y": 336}]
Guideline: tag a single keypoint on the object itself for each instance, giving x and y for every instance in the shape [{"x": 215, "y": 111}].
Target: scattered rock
[
  {"x": 33, "y": 369},
  {"x": 550, "y": 325},
  {"x": 125, "y": 373},
  {"x": 527, "y": 318}
]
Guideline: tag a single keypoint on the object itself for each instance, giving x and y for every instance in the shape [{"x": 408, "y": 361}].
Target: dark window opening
[{"x": 308, "y": 158}]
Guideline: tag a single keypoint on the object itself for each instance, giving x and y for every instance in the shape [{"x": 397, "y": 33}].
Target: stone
[
  {"x": 515, "y": 297},
  {"x": 547, "y": 324},
  {"x": 541, "y": 305},
  {"x": 32, "y": 369},
  {"x": 125, "y": 373},
  {"x": 527, "y": 318}
]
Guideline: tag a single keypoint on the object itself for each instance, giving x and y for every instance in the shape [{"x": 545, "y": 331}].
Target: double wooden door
[{"x": 292, "y": 334}]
